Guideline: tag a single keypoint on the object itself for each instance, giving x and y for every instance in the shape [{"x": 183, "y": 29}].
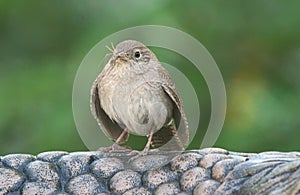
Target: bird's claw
[{"x": 115, "y": 148}]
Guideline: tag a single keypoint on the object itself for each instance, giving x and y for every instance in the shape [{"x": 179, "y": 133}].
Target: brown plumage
[{"x": 135, "y": 94}]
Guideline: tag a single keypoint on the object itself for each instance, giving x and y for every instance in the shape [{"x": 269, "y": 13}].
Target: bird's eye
[{"x": 137, "y": 54}]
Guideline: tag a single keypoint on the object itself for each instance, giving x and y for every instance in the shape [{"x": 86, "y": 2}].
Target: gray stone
[
  {"x": 149, "y": 162},
  {"x": 221, "y": 169},
  {"x": 249, "y": 168},
  {"x": 40, "y": 188},
  {"x": 74, "y": 164},
  {"x": 102, "y": 173},
  {"x": 13, "y": 193},
  {"x": 84, "y": 184},
  {"x": 168, "y": 188},
  {"x": 183, "y": 162},
  {"x": 210, "y": 159},
  {"x": 41, "y": 171},
  {"x": 125, "y": 180},
  {"x": 191, "y": 178},
  {"x": 184, "y": 193},
  {"x": 213, "y": 151},
  {"x": 206, "y": 187},
  {"x": 241, "y": 154},
  {"x": 138, "y": 191},
  {"x": 106, "y": 167},
  {"x": 231, "y": 186},
  {"x": 51, "y": 156},
  {"x": 152, "y": 179},
  {"x": 282, "y": 182},
  {"x": 10, "y": 180},
  {"x": 17, "y": 161}
]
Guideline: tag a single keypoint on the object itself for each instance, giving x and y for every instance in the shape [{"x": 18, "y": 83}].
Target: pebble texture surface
[{"x": 207, "y": 171}]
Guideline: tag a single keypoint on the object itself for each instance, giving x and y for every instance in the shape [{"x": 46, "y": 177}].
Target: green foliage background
[{"x": 255, "y": 43}]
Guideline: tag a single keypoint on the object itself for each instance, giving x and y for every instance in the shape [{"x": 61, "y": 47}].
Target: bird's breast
[
  {"x": 134, "y": 102},
  {"x": 142, "y": 107}
]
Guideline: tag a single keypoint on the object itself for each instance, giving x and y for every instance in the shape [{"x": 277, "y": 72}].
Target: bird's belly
[{"x": 142, "y": 108}]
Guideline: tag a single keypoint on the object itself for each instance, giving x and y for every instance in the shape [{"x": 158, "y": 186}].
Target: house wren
[{"x": 135, "y": 94}]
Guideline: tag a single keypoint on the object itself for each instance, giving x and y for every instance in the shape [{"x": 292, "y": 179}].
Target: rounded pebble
[
  {"x": 168, "y": 189},
  {"x": 154, "y": 178},
  {"x": 207, "y": 187},
  {"x": 106, "y": 167},
  {"x": 84, "y": 184},
  {"x": 183, "y": 162},
  {"x": 74, "y": 164},
  {"x": 138, "y": 191},
  {"x": 17, "y": 161},
  {"x": 41, "y": 171},
  {"x": 149, "y": 162},
  {"x": 210, "y": 159},
  {"x": 39, "y": 188},
  {"x": 221, "y": 169},
  {"x": 10, "y": 180},
  {"x": 125, "y": 180},
  {"x": 190, "y": 179},
  {"x": 51, "y": 156},
  {"x": 214, "y": 151}
]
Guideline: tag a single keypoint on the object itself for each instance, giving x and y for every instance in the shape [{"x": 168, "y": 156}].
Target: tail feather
[{"x": 167, "y": 139}]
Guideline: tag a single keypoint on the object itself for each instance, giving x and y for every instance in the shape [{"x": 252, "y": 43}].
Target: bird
[{"x": 135, "y": 94}]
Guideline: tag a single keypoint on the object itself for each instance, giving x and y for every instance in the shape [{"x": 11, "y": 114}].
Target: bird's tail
[{"x": 167, "y": 139}]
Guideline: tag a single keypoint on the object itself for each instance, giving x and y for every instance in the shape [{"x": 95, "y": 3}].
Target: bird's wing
[
  {"x": 175, "y": 136},
  {"x": 110, "y": 128}
]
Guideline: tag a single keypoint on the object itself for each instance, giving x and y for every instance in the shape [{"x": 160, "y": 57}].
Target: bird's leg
[
  {"x": 147, "y": 147},
  {"x": 116, "y": 146}
]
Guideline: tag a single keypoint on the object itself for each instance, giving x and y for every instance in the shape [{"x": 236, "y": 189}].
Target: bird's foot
[
  {"x": 115, "y": 148},
  {"x": 137, "y": 153}
]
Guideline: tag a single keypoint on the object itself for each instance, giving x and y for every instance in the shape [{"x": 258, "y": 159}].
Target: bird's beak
[{"x": 122, "y": 56}]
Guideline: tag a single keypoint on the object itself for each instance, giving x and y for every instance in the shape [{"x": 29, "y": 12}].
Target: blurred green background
[{"x": 256, "y": 45}]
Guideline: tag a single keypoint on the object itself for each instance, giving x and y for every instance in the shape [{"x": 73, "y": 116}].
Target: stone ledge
[{"x": 207, "y": 171}]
